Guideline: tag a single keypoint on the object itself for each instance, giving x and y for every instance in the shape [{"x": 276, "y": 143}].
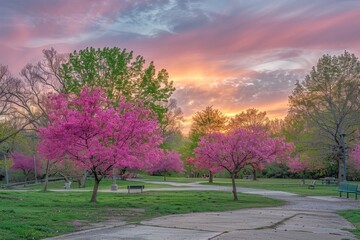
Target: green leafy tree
[
  {"x": 204, "y": 122},
  {"x": 119, "y": 73},
  {"x": 328, "y": 101},
  {"x": 250, "y": 119}
]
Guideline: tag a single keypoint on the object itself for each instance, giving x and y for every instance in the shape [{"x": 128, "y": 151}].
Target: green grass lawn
[
  {"x": 278, "y": 184},
  {"x": 105, "y": 184},
  {"x": 352, "y": 216},
  {"x": 38, "y": 214},
  {"x": 172, "y": 179},
  {"x": 287, "y": 185}
]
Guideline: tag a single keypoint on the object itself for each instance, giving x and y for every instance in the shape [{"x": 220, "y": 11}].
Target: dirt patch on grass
[{"x": 111, "y": 218}]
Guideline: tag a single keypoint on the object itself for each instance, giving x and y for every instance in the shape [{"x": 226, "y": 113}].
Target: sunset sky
[{"x": 231, "y": 54}]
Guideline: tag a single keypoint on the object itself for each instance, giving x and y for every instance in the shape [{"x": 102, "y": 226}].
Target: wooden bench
[
  {"x": 348, "y": 188},
  {"x": 141, "y": 187},
  {"x": 311, "y": 185}
]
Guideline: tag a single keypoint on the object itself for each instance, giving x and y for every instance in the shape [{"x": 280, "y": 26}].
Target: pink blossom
[
  {"x": 238, "y": 149},
  {"x": 296, "y": 166},
  {"x": 170, "y": 161},
  {"x": 88, "y": 130},
  {"x": 24, "y": 163},
  {"x": 355, "y": 157}
]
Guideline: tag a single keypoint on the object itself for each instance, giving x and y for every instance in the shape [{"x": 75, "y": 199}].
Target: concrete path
[{"x": 302, "y": 218}]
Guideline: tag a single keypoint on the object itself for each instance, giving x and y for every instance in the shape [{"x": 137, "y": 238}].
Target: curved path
[{"x": 302, "y": 218}]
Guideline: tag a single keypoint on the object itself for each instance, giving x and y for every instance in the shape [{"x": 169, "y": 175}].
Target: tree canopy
[
  {"x": 118, "y": 73},
  {"x": 328, "y": 100},
  {"x": 95, "y": 136},
  {"x": 251, "y": 119},
  {"x": 240, "y": 148}
]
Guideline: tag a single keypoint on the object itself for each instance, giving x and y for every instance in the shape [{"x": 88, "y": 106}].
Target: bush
[{"x": 275, "y": 170}]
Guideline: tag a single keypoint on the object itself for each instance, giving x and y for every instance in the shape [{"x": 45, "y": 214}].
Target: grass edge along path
[
  {"x": 292, "y": 186},
  {"x": 38, "y": 214},
  {"x": 104, "y": 185},
  {"x": 352, "y": 216}
]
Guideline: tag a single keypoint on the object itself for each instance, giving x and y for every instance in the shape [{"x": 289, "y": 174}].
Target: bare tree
[
  {"x": 23, "y": 98},
  {"x": 5, "y": 85},
  {"x": 172, "y": 120},
  {"x": 11, "y": 123},
  {"x": 27, "y": 93}
]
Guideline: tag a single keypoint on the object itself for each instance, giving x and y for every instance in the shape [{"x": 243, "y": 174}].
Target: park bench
[
  {"x": 248, "y": 177},
  {"x": 348, "y": 188},
  {"x": 67, "y": 185},
  {"x": 311, "y": 185},
  {"x": 328, "y": 180},
  {"x": 141, "y": 187}
]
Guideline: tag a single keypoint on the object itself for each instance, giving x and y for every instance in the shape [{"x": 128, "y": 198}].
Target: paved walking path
[{"x": 302, "y": 218}]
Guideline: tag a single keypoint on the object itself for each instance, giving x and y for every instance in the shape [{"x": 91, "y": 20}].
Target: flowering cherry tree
[
  {"x": 191, "y": 166},
  {"x": 297, "y": 166},
  {"x": 235, "y": 150},
  {"x": 303, "y": 163},
  {"x": 88, "y": 130},
  {"x": 169, "y": 161},
  {"x": 353, "y": 161},
  {"x": 203, "y": 164},
  {"x": 25, "y": 164},
  {"x": 355, "y": 156}
]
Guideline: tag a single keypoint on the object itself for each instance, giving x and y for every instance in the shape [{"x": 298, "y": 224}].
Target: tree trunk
[
  {"x": 303, "y": 178},
  {"x": 26, "y": 180},
  {"x": 254, "y": 174},
  {"x": 47, "y": 175},
  {"x": 65, "y": 177},
  {"x": 96, "y": 186},
  {"x": 78, "y": 180},
  {"x": 83, "y": 180},
  {"x": 211, "y": 177},
  {"x": 26, "y": 176},
  {"x": 341, "y": 170},
  {"x": 122, "y": 173},
  {"x": 234, "y": 186}
]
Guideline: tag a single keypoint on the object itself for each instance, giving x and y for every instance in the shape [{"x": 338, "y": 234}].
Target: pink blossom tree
[
  {"x": 355, "y": 156},
  {"x": 240, "y": 148},
  {"x": 297, "y": 166},
  {"x": 281, "y": 150},
  {"x": 190, "y": 165},
  {"x": 201, "y": 164},
  {"x": 169, "y": 161},
  {"x": 24, "y": 163},
  {"x": 353, "y": 161},
  {"x": 302, "y": 163},
  {"x": 98, "y": 136}
]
